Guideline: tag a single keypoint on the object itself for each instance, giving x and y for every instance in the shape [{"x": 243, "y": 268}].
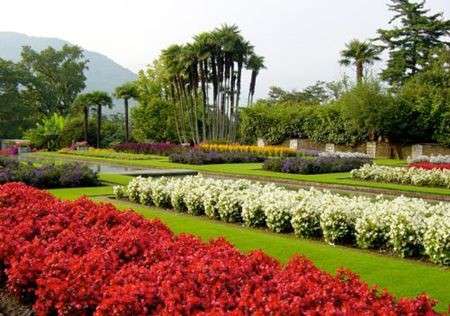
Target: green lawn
[
  {"x": 255, "y": 170},
  {"x": 400, "y": 276}
]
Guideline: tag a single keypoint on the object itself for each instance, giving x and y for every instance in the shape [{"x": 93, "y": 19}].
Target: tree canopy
[{"x": 415, "y": 34}]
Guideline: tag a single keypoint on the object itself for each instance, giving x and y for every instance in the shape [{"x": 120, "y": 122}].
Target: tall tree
[
  {"x": 82, "y": 104},
  {"x": 57, "y": 77},
  {"x": 203, "y": 81},
  {"x": 15, "y": 113},
  {"x": 255, "y": 64},
  {"x": 126, "y": 92},
  {"x": 99, "y": 99},
  {"x": 359, "y": 54},
  {"x": 412, "y": 39}
]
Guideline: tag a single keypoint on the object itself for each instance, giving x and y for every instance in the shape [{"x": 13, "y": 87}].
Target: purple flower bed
[
  {"x": 314, "y": 165},
  {"x": 200, "y": 157},
  {"x": 162, "y": 149},
  {"x": 47, "y": 175}
]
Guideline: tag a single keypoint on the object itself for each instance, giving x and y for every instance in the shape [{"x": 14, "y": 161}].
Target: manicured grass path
[
  {"x": 400, "y": 276},
  {"x": 255, "y": 170}
]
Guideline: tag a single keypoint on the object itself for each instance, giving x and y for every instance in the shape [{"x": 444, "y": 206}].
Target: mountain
[{"x": 103, "y": 73}]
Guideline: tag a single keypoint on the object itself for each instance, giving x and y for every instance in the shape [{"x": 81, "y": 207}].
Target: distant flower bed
[
  {"x": 315, "y": 165},
  {"x": 429, "y": 165},
  {"x": 266, "y": 150},
  {"x": 432, "y": 159},
  {"x": 341, "y": 154},
  {"x": 415, "y": 176},
  {"x": 405, "y": 226},
  {"x": 200, "y": 157},
  {"x": 104, "y": 153},
  {"x": 47, "y": 175},
  {"x": 162, "y": 149},
  {"x": 85, "y": 258}
]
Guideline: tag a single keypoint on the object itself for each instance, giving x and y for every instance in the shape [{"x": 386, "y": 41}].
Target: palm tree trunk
[
  {"x": 99, "y": 122},
  {"x": 359, "y": 72},
  {"x": 127, "y": 130},
  {"x": 86, "y": 123}
]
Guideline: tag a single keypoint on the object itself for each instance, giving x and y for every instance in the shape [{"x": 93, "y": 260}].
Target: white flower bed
[
  {"x": 432, "y": 159},
  {"x": 406, "y": 226},
  {"x": 342, "y": 154},
  {"x": 403, "y": 175}
]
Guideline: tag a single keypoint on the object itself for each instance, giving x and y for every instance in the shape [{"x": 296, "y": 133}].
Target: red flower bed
[
  {"x": 82, "y": 258},
  {"x": 429, "y": 165}
]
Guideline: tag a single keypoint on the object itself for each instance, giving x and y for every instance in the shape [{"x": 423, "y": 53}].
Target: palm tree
[
  {"x": 255, "y": 63},
  {"x": 126, "y": 92},
  {"x": 81, "y": 103},
  {"x": 99, "y": 99},
  {"x": 359, "y": 53}
]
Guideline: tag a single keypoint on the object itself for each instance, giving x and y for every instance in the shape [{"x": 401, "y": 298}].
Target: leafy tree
[
  {"x": 359, "y": 54},
  {"x": 15, "y": 114},
  {"x": 154, "y": 121},
  {"x": 57, "y": 76},
  {"x": 411, "y": 41},
  {"x": 126, "y": 92}
]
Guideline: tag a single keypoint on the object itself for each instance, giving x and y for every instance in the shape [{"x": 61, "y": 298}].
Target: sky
[{"x": 300, "y": 39}]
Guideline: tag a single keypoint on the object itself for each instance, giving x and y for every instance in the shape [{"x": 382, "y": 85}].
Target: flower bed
[
  {"x": 162, "y": 149},
  {"x": 429, "y": 165},
  {"x": 341, "y": 154},
  {"x": 405, "y": 226},
  {"x": 200, "y": 157},
  {"x": 432, "y": 159},
  {"x": 47, "y": 175},
  {"x": 414, "y": 176},
  {"x": 316, "y": 165},
  {"x": 104, "y": 153},
  {"x": 265, "y": 151},
  {"x": 83, "y": 258}
]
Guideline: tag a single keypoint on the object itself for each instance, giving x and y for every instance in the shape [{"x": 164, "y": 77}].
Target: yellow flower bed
[{"x": 266, "y": 150}]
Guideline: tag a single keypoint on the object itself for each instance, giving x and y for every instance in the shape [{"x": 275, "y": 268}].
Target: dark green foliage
[
  {"x": 411, "y": 42},
  {"x": 153, "y": 121},
  {"x": 57, "y": 76},
  {"x": 15, "y": 114}
]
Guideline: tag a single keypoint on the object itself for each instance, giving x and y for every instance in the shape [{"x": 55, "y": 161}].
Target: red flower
[{"x": 83, "y": 258}]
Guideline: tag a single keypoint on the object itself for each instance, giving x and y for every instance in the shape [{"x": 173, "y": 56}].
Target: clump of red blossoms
[
  {"x": 83, "y": 258},
  {"x": 429, "y": 165}
]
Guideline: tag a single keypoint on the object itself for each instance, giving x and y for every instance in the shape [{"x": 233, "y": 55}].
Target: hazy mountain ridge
[{"x": 103, "y": 73}]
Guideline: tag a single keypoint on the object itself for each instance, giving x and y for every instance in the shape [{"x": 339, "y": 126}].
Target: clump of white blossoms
[
  {"x": 403, "y": 175},
  {"x": 406, "y": 226}
]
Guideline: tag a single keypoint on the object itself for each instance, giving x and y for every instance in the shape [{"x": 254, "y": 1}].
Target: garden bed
[
  {"x": 200, "y": 157},
  {"x": 141, "y": 267},
  {"x": 401, "y": 175},
  {"x": 315, "y": 165},
  {"x": 407, "y": 227},
  {"x": 47, "y": 175}
]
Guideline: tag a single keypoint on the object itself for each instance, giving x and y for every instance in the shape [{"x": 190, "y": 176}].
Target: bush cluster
[
  {"x": 315, "y": 165},
  {"x": 47, "y": 175},
  {"x": 403, "y": 226},
  {"x": 200, "y": 157},
  {"x": 85, "y": 258}
]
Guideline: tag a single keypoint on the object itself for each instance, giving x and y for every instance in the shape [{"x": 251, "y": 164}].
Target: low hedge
[
  {"x": 47, "y": 175},
  {"x": 315, "y": 165},
  {"x": 200, "y": 157}
]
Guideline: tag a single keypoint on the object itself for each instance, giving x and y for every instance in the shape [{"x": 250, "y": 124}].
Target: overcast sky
[{"x": 300, "y": 39}]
